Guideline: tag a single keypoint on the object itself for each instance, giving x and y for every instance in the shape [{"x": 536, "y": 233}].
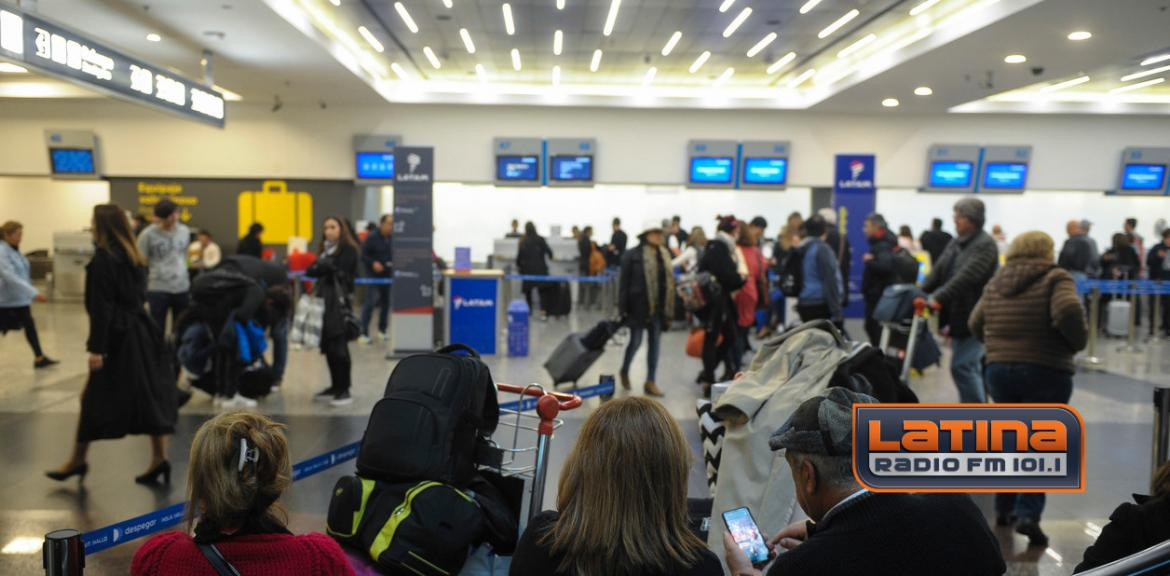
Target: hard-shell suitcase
[
  {"x": 1117, "y": 318},
  {"x": 284, "y": 214},
  {"x": 571, "y": 359}
]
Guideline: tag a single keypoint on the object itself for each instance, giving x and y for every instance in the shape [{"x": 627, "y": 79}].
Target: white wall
[{"x": 45, "y": 206}]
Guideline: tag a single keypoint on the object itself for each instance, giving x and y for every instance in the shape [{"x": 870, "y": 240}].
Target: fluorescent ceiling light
[
  {"x": 724, "y": 76},
  {"x": 735, "y": 24},
  {"x": 1149, "y": 72},
  {"x": 560, "y": 4},
  {"x": 801, "y": 79},
  {"x": 726, "y": 5},
  {"x": 1016, "y": 59},
  {"x": 763, "y": 43},
  {"x": 479, "y": 71},
  {"x": 399, "y": 71},
  {"x": 777, "y": 65},
  {"x": 835, "y": 26},
  {"x": 335, "y": 2},
  {"x": 1137, "y": 86},
  {"x": 558, "y": 42},
  {"x": 858, "y": 45},
  {"x": 6, "y": 68},
  {"x": 446, "y": 3},
  {"x": 611, "y": 18},
  {"x": 650, "y": 76},
  {"x": 1080, "y": 35},
  {"x": 516, "y": 60},
  {"x": 556, "y": 75},
  {"x": 370, "y": 39},
  {"x": 509, "y": 25},
  {"x": 671, "y": 43},
  {"x": 154, "y": 37},
  {"x": 808, "y": 6},
  {"x": 596, "y": 62},
  {"x": 923, "y": 91},
  {"x": 1156, "y": 59},
  {"x": 1065, "y": 84},
  {"x": 698, "y": 63},
  {"x": 923, "y": 7},
  {"x": 434, "y": 60},
  {"x": 890, "y": 103},
  {"x": 406, "y": 19},
  {"x": 467, "y": 43}
]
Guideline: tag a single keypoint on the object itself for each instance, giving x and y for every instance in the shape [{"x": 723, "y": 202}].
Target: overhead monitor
[
  {"x": 518, "y": 168},
  {"x": 374, "y": 165},
  {"x": 1005, "y": 176},
  {"x": 772, "y": 171},
  {"x": 72, "y": 161},
  {"x": 951, "y": 174},
  {"x": 571, "y": 168},
  {"x": 1143, "y": 177},
  {"x": 712, "y": 170}
]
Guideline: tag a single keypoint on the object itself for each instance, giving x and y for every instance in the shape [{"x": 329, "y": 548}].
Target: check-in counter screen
[
  {"x": 72, "y": 161},
  {"x": 1143, "y": 177},
  {"x": 572, "y": 168},
  {"x": 375, "y": 165},
  {"x": 765, "y": 171},
  {"x": 518, "y": 168},
  {"x": 951, "y": 174},
  {"x": 1005, "y": 175},
  {"x": 712, "y": 170}
]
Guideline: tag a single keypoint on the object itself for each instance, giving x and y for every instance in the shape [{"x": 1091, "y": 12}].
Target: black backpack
[
  {"x": 434, "y": 422},
  {"x": 792, "y": 272},
  {"x": 906, "y": 266}
]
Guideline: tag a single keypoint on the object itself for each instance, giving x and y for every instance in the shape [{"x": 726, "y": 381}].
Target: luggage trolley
[
  {"x": 910, "y": 332},
  {"x": 548, "y": 406}
]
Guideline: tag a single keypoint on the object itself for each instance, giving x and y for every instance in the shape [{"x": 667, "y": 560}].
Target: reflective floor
[{"x": 38, "y": 415}]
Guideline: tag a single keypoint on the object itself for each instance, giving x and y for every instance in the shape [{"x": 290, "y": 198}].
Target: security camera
[{"x": 1037, "y": 70}]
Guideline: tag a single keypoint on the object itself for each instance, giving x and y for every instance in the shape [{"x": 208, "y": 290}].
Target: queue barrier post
[
  {"x": 1131, "y": 334},
  {"x": 1094, "y": 327},
  {"x": 1161, "y": 443},
  {"x": 1156, "y": 296},
  {"x": 63, "y": 553}
]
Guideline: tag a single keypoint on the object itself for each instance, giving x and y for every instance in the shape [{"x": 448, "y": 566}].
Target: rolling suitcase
[
  {"x": 560, "y": 299},
  {"x": 1117, "y": 318},
  {"x": 571, "y": 359}
]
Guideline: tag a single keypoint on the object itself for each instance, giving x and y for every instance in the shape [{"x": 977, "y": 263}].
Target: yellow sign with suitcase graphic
[{"x": 283, "y": 214}]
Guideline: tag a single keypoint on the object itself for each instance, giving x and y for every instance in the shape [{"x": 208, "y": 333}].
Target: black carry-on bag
[{"x": 577, "y": 352}]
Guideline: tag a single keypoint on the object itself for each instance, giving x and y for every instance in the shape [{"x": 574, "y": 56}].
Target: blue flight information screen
[
  {"x": 1143, "y": 177},
  {"x": 375, "y": 165},
  {"x": 518, "y": 168},
  {"x": 765, "y": 171},
  {"x": 951, "y": 174},
  {"x": 72, "y": 161},
  {"x": 708, "y": 170},
  {"x": 1009, "y": 175},
  {"x": 572, "y": 168}
]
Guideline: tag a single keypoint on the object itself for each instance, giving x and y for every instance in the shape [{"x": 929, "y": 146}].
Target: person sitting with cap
[{"x": 853, "y": 531}]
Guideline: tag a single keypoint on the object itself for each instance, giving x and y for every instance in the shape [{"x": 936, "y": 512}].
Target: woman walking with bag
[
  {"x": 719, "y": 316},
  {"x": 131, "y": 387},
  {"x": 335, "y": 268},
  {"x": 17, "y": 292}
]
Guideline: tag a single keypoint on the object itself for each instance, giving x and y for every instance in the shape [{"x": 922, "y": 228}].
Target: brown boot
[
  {"x": 625, "y": 380},
  {"x": 651, "y": 389}
]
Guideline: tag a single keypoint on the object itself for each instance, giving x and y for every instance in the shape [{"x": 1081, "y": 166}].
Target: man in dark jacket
[
  {"x": 1158, "y": 264},
  {"x": 842, "y": 251},
  {"x": 250, "y": 244},
  {"x": 935, "y": 240},
  {"x": 880, "y": 270},
  {"x": 378, "y": 260},
  {"x": 617, "y": 244},
  {"x": 1078, "y": 255},
  {"x": 646, "y": 300},
  {"x": 955, "y": 284},
  {"x": 854, "y": 531},
  {"x": 586, "y": 296}
]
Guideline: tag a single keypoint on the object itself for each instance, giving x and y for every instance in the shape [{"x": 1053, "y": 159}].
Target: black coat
[
  {"x": 530, "y": 257},
  {"x": 619, "y": 240},
  {"x": 332, "y": 272},
  {"x": 1077, "y": 255},
  {"x": 134, "y": 392},
  {"x": 880, "y": 271},
  {"x": 934, "y": 242},
  {"x": 378, "y": 248},
  {"x": 633, "y": 294},
  {"x": 1120, "y": 264},
  {"x": 718, "y": 261},
  {"x": 250, "y": 246},
  {"x": 1156, "y": 262},
  {"x": 1131, "y": 528},
  {"x": 957, "y": 280},
  {"x": 584, "y": 251}
]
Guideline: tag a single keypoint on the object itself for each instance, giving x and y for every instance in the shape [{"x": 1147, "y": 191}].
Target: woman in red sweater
[{"x": 239, "y": 468}]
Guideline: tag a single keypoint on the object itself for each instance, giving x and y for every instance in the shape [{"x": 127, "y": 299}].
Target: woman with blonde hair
[
  {"x": 238, "y": 471},
  {"x": 622, "y": 502},
  {"x": 1033, "y": 323}
]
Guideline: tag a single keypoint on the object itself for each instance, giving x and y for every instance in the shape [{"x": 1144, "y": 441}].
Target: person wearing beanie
[
  {"x": 955, "y": 285},
  {"x": 853, "y": 531},
  {"x": 164, "y": 245},
  {"x": 646, "y": 301}
]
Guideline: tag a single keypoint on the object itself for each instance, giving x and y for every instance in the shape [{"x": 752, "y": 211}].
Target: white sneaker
[
  {"x": 383, "y": 337},
  {"x": 237, "y": 401},
  {"x": 341, "y": 399},
  {"x": 364, "y": 340}
]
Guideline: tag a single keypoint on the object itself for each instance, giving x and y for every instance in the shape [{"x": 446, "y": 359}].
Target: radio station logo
[
  {"x": 969, "y": 448},
  {"x": 461, "y": 302}
]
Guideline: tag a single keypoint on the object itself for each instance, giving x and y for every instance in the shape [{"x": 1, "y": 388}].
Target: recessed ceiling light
[
  {"x": 923, "y": 7},
  {"x": 611, "y": 18},
  {"x": 335, "y": 2},
  {"x": 556, "y": 78},
  {"x": 434, "y": 60},
  {"x": 777, "y": 65},
  {"x": 154, "y": 37},
  {"x": 849, "y": 16},
  {"x": 406, "y": 19},
  {"x": 560, "y": 4},
  {"x": 735, "y": 24},
  {"x": 516, "y": 60},
  {"x": 650, "y": 74},
  {"x": 726, "y": 5},
  {"x": 370, "y": 39},
  {"x": 1065, "y": 84},
  {"x": 558, "y": 42},
  {"x": 399, "y": 71},
  {"x": 803, "y": 76},
  {"x": 890, "y": 103},
  {"x": 724, "y": 76},
  {"x": 923, "y": 91},
  {"x": 1016, "y": 59},
  {"x": 596, "y": 62},
  {"x": 481, "y": 72},
  {"x": 1144, "y": 73},
  {"x": 509, "y": 25},
  {"x": 1156, "y": 59},
  {"x": 808, "y": 6},
  {"x": 467, "y": 43},
  {"x": 448, "y": 3},
  {"x": 1080, "y": 35},
  {"x": 6, "y": 68},
  {"x": 698, "y": 63},
  {"x": 763, "y": 43},
  {"x": 671, "y": 43},
  {"x": 1137, "y": 86},
  {"x": 858, "y": 45}
]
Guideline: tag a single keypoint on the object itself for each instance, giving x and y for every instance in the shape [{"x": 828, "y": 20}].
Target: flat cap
[{"x": 822, "y": 424}]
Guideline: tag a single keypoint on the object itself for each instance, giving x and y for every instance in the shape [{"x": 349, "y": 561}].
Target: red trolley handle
[
  {"x": 920, "y": 304},
  {"x": 548, "y": 406}
]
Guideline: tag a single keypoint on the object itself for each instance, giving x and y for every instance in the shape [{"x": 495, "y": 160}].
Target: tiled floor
[{"x": 38, "y": 412}]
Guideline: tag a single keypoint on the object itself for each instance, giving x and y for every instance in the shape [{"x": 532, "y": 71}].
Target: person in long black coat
[
  {"x": 646, "y": 301},
  {"x": 530, "y": 261},
  {"x": 131, "y": 387},
  {"x": 1133, "y": 526},
  {"x": 719, "y": 317},
  {"x": 335, "y": 269}
]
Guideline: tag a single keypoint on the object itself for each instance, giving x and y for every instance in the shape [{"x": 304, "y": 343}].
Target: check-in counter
[
  {"x": 474, "y": 309},
  {"x": 71, "y": 252},
  {"x": 563, "y": 262}
]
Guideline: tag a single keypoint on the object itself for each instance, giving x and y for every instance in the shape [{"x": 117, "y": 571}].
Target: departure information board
[{"x": 572, "y": 168}]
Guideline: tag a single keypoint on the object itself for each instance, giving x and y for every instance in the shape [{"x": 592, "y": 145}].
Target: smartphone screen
[{"x": 744, "y": 531}]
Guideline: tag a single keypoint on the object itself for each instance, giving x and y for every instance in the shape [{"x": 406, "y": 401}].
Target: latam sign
[{"x": 969, "y": 448}]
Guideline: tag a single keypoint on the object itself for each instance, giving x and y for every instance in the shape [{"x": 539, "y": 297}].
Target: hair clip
[{"x": 247, "y": 454}]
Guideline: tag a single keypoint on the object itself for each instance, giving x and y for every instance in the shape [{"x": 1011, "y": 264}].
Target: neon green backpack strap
[{"x": 386, "y": 534}]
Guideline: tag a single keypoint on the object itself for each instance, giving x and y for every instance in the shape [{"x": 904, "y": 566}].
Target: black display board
[{"x": 413, "y": 295}]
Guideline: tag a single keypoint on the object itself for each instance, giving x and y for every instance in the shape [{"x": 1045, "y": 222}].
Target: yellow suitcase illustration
[{"x": 284, "y": 214}]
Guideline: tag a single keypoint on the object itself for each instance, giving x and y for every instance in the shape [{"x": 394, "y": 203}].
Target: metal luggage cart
[{"x": 910, "y": 331}]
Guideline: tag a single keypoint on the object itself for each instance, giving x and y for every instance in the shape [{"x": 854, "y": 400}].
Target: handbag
[
  {"x": 349, "y": 320},
  {"x": 307, "y": 321},
  {"x": 698, "y": 290},
  {"x": 218, "y": 562},
  {"x": 695, "y": 342}
]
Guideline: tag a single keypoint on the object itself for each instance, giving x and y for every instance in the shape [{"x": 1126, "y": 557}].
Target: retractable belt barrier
[
  {"x": 1123, "y": 287},
  {"x": 153, "y": 522},
  {"x": 562, "y": 278}
]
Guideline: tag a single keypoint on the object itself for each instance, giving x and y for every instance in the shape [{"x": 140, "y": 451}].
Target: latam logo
[
  {"x": 856, "y": 170},
  {"x": 413, "y": 162},
  {"x": 856, "y": 167},
  {"x": 969, "y": 447},
  {"x": 461, "y": 302}
]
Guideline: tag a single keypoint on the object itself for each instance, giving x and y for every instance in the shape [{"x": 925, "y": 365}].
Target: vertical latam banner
[
  {"x": 854, "y": 198},
  {"x": 413, "y": 296},
  {"x": 969, "y": 448}
]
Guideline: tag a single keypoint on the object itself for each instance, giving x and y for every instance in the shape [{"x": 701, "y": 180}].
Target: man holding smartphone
[{"x": 854, "y": 531}]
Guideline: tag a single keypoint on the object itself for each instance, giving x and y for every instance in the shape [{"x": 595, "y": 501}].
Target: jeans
[
  {"x": 377, "y": 295},
  {"x": 654, "y": 328},
  {"x": 967, "y": 370},
  {"x": 279, "y": 333},
  {"x": 162, "y": 302},
  {"x": 1023, "y": 384}
]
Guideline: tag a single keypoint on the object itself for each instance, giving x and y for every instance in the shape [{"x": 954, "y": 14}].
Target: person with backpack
[
  {"x": 335, "y": 269},
  {"x": 820, "y": 277},
  {"x": 646, "y": 299},
  {"x": 880, "y": 270},
  {"x": 719, "y": 260}
]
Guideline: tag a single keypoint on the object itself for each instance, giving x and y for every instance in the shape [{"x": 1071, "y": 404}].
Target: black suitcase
[
  {"x": 596, "y": 337},
  {"x": 560, "y": 298},
  {"x": 571, "y": 359}
]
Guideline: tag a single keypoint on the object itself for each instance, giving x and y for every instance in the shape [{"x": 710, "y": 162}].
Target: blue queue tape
[
  {"x": 580, "y": 279},
  {"x": 1126, "y": 287}
]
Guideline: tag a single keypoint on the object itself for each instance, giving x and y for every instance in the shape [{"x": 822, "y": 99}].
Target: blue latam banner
[
  {"x": 969, "y": 447},
  {"x": 474, "y": 313},
  {"x": 855, "y": 197}
]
